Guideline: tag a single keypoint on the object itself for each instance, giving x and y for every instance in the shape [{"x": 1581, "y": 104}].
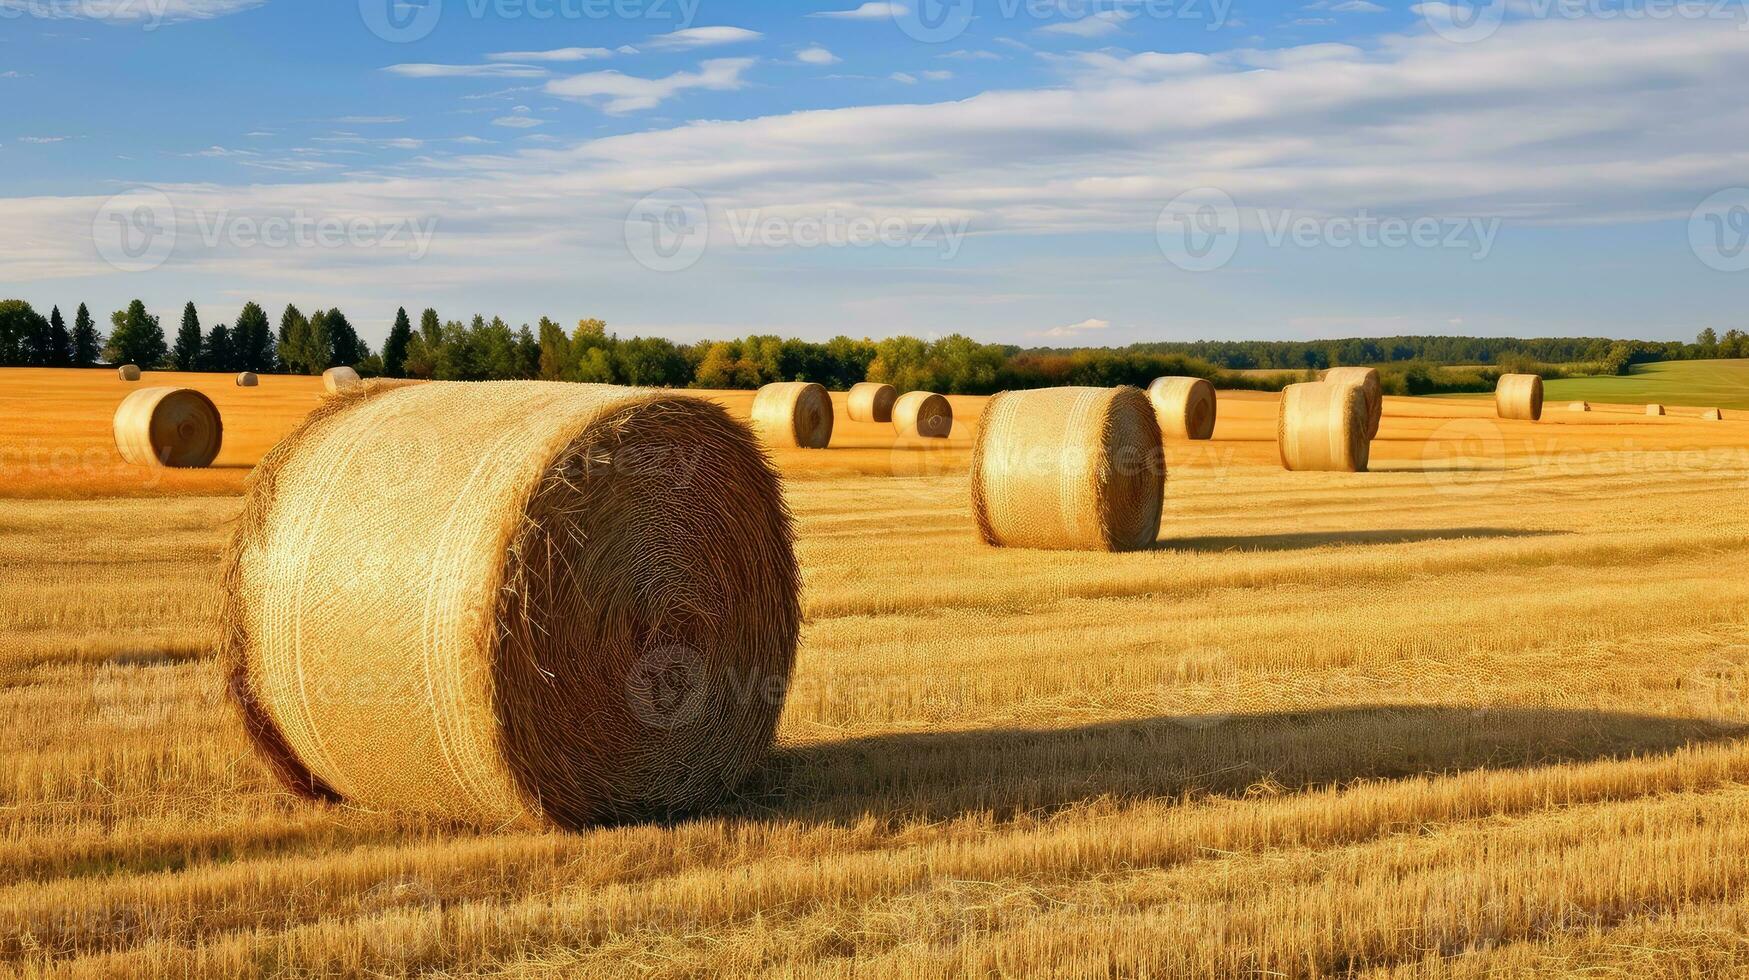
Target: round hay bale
[
  {"x": 128, "y": 372},
  {"x": 1712, "y": 415},
  {"x": 923, "y": 414},
  {"x": 513, "y": 602},
  {"x": 1654, "y": 410},
  {"x": 871, "y": 402},
  {"x": 337, "y": 379},
  {"x": 1519, "y": 396},
  {"x": 1579, "y": 407},
  {"x": 795, "y": 414},
  {"x": 1322, "y": 426},
  {"x": 1367, "y": 380},
  {"x": 1184, "y": 407},
  {"x": 248, "y": 380},
  {"x": 1069, "y": 468},
  {"x": 177, "y": 427}
]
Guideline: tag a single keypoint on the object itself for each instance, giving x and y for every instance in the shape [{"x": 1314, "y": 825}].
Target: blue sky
[{"x": 1024, "y": 171}]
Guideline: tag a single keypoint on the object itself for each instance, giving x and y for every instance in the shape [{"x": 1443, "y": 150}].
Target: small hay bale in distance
[
  {"x": 337, "y": 379},
  {"x": 1080, "y": 469},
  {"x": 1322, "y": 426},
  {"x": 176, "y": 427},
  {"x": 1712, "y": 415},
  {"x": 128, "y": 372},
  {"x": 247, "y": 379},
  {"x": 1519, "y": 396},
  {"x": 1184, "y": 407},
  {"x": 1654, "y": 410},
  {"x": 1367, "y": 380},
  {"x": 793, "y": 414},
  {"x": 513, "y": 602},
  {"x": 871, "y": 401},
  {"x": 923, "y": 414},
  {"x": 1579, "y": 407}
]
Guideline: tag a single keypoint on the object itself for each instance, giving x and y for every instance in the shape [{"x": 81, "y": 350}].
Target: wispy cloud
[
  {"x": 620, "y": 93},
  {"x": 467, "y": 71},
  {"x": 702, "y": 37},
  {"x": 1075, "y": 329},
  {"x": 556, "y": 54},
  {"x": 868, "y": 11},
  {"x": 1093, "y": 25},
  {"x": 816, "y": 55},
  {"x": 129, "y": 11},
  {"x": 39, "y": 140},
  {"x": 520, "y": 118},
  {"x": 370, "y": 120}
]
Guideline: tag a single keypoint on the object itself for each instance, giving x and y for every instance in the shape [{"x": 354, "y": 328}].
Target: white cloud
[
  {"x": 467, "y": 71},
  {"x": 1075, "y": 329},
  {"x": 868, "y": 11},
  {"x": 518, "y": 121},
  {"x": 1357, "y": 7},
  {"x": 937, "y": 75},
  {"x": 816, "y": 55},
  {"x": 967, "y": 55},
  {"x": 40, "y": 140},
  {"x": 1093, "y": 25},
  {"x": 12, "y": 74},
  {"x": 557, "y": 54},
  {"x": 903, "y": 77},
  {"x": 700, "y": 37},
  {"x": 129, "y": 11},
  {"x": 370, "y": 120},
  {"x": 619, "y": 93}
]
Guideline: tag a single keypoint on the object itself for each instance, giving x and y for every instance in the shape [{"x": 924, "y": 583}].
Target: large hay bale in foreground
[
  {"x": 177, "y": 427},
  {"x": 513, "y": 601},
  {"x": 1654, "y": 410},
  {"x": 1184, "y": 407},
  {"x": 1367, "y": 380},
  {"x": 923, "y": 414},
  {"x": 794, "y": 414},
  {"x": 1579, "y": 407},
  {"x": 247, "y": 379},
  {"x": 1712, "y": 415},
  {"x": 1069, "y": 468},
  {"x": 1322, "y": 426},
  {"x": 871, "y": 402},
  {"x": 337, "y": 379},
  {"x": 128, "y": 372},
  {"x": 1519, "y": 396}
]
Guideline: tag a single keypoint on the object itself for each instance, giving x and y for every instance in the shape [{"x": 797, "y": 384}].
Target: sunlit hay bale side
[
  {"x": 177, "y": 427},
  {"x": 923, "y": 414},
  {"x": 247, "y": 379},
  {"x": 871, "y": 401},
  {"x": 1654, "y": 410},
  {"x": 337, "y": 379},
  {"x": 1184, "y": 407},
  {"x": 1712, "y": 415},
  {"x": 1069, "y": 468},
  {"x": 1367, "y": 380},
  {"x": 1579, "y": 407},
  {"x": 1322, "y": 426},
  {"x": 128, "y": 372},
  {"x": 793, "y": 414},
  {"x": 1519, "y": 396},
  {"x": 513, "y": 602}
]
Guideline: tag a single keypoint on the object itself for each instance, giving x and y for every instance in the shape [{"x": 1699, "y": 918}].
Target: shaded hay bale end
[
  {"x": 923, "y": 414},
  {"x": 176, "y": 427},
  {"x": 793, "y": 414},
  {"x": 871, "y": 402},
  {"x": 1184, "y": 407}
]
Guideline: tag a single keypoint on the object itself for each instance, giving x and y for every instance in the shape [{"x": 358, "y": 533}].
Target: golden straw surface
[
  {"x": 1184, "y": 407},
  {"x": 247, "y": 379},
  {"x": 177, "y": 427},
  {"x": 871, "y": 401},
  {"x": 793, "y": 414},
  {"x": 513, "y": 601},
  {"x": 1519, "y": 396},
  {"x": 923, "y": 414},
  {"x": 1322, "y": 426},
  {"x": 1367, "y": 380},
  {"x": 1069, "y": 468},
  {"x": 337, "y": 379}
]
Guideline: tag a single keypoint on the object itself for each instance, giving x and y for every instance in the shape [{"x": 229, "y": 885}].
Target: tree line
[{"x": 482, "y": 349}]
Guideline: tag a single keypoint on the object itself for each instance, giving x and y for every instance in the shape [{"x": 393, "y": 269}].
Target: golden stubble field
[{"x": 1479, "y": 712}]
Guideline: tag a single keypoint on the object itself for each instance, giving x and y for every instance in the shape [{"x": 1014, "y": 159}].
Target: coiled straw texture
[
  {"x": 1322, "y": 426},
  {"x": 337, "y": 379},
  {"x": 793, "y": 414},
  {"x": 1184, "y": 407},
  {"x": 871, "y": 402},
  {"x": 1519, "y": 396},
  {"x": 1367, "y": 380},
  {"x": 177, "y": 427},
  {"x": 923, "y": 414}
]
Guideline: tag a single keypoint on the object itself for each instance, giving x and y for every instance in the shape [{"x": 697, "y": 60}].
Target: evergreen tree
[
  {"x": 186, "y": 354},
  {"x": 252, "y": 339},
  {"x": 23, "y": 335},
  {"x": 555, "y": 351},
  {"x": 319, "y": 350},
  {"x": 138, "y": 338},
  {"x": 430, "y": 328},
  {"x": 344, "y": 346},
  {"x": 87, "y": 342},
  {"x": 60, "y": 341},
  {"x": 294, "y": 342},
  {"x": 395, "y": 348},
  {"x": 220, "y": 351}
]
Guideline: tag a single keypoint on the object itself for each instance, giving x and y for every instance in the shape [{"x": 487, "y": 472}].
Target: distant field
[{"x": 1702, "y": 384}]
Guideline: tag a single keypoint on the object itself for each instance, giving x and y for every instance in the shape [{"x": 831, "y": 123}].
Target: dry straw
[
  {"x": 1069, "y": 468},
  {"x": 871, "y": 402},
  {"x": 1579, "y": 407},
  {"x": 1184, "y": 407},
  {"x": 793, "y": 414},
  {"x": 337, "y": 379},
  {"x": 247, "y": 380},
  {"x": 1654, "y": 410},
  {"x": 513, "y": 601},
  {"x": 923, "y": 414},
  {"x": 168, "y": 427},
  {"x": 1712, "y": 415},
  {"x": 1367, "y": 380},
  {"x": 1519, "y": 396},
  {"x": 1322, "y": 426},
  {"x": 128, "y": 372}
]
